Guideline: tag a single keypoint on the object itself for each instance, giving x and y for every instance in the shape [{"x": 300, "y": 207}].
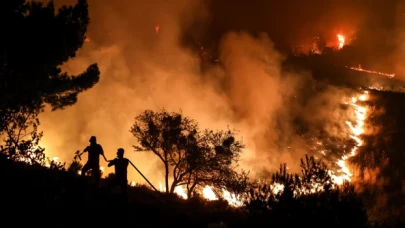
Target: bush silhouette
[{"x": 296, "y": 204}]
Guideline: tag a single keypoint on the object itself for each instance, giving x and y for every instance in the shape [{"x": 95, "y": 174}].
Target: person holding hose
[{"x": 121, "y": 167}]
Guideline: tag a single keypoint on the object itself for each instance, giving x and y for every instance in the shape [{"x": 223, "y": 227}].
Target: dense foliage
[
  {"x": 195, "y": 158},
  {"x": 36, "y": 41}
]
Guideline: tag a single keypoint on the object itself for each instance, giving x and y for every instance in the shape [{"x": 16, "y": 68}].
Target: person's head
[
  {"x": 93, "y": 140},
  {"x": 120, "y": 153}
]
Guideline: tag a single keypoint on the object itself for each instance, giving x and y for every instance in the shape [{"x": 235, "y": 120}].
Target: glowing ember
[
  {"x": 157, "y": 28},
  {"x": 371, "y": 71}
]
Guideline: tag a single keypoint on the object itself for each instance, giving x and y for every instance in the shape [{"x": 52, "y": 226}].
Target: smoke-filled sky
[
  {"x": 145, "y": 69},
  {"x": 290, "y": 21}
]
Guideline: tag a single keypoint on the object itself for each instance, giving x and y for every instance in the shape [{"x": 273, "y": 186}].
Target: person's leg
[
  {"x": 95, "y": 172},
  {"x": 85, "y": 168},
  {"x": 124, "y": 187},
  {"x": 112, "y": 183}
]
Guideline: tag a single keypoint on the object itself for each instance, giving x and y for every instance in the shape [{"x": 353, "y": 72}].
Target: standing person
[
  {"x": 121, "y": 166},
  {"x": 93, "y": 162}
]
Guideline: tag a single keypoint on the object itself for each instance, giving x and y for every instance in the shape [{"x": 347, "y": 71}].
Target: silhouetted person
[
  {"x": 121, "y": 166},
  {"x": 93, "y": 162}
]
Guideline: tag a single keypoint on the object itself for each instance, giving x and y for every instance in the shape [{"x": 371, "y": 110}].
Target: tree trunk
[
  {"x": 173, "y": 187},
  {"x": 167, "y": 176},
  {"x": 190, "y": 191},
  {"x": 188, "y": 186}
]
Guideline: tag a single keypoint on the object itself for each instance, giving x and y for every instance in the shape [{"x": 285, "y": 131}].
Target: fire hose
[{"x": 140, "y": 173}]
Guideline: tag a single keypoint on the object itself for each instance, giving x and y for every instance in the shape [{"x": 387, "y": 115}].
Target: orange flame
[
  {"x": 371, "y": 71},
  {"x": 357, "y": 129},
  {"x": 341, "y": 40}
]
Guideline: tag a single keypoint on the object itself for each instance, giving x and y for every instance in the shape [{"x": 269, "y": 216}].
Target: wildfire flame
[
  {"x": 343, "y": 174},
  {"x": 208, "y": 193},
  {"x": 371, "y": 71},
  {"x": 357, "y": 130},
  {"x": 341, "y": 40}
]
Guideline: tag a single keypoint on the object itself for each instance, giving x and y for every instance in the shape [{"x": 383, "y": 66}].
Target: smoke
[
  {"x": 147, "y": 68},
  {"x": 260, "y": 93},
  {"x": 400, "y": 44}
]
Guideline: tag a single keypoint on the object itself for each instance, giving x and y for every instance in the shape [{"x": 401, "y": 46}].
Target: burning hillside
[
  {"x": 336, "y": 151},
  {"x": 239, "y": 77}
]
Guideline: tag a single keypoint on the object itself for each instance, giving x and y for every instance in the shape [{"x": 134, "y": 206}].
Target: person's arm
[
  {"x": 111, "y": 163},
  {"x": 84, "y": 151},
  {"x": 128, "y": 162},
  {"x": 102, "y": 153}
]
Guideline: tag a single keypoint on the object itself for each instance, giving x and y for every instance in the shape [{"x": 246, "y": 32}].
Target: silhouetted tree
[
  {"x": 22, "y": 138},
  {"x": 36, "y": 41},
  {"x": 315, "y": 176},
  {"x": 211, "y": 160},
  {"x": 159, "y": 132},
  {"x": 196, "y": 158},
  {"x": 263, "y": 195}
]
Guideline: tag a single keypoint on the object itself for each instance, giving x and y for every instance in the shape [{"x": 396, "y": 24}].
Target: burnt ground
[{"x": 383, "y": 155}]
